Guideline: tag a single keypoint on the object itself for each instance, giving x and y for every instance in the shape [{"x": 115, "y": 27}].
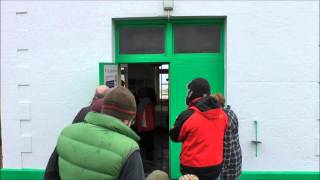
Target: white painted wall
[{"x": 272, "y": 67}]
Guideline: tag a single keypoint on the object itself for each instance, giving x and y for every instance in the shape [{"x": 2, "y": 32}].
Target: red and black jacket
[{"x": 201, "y": 130}]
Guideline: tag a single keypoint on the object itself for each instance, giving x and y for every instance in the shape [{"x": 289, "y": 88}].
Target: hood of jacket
[{"x": 208, "y": 107}]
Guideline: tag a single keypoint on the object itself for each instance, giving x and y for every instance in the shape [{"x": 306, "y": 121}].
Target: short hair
[
  {"x": 220, "y": 98},
  {"x": 100, "y": 91}
]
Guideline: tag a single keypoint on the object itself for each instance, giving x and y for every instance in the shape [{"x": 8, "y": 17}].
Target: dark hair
[
  {"x": 152, "y": 95},
  {"x": 198, "y": 87}
]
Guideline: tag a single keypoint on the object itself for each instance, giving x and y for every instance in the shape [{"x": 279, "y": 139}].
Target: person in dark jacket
[
  {"x": 200, "y": 128},
  {"x": 51, "y": 171},
  {"x": 232, "y": 155},
  {"x": 104, "y": 146},
  {"x": 99, "y": 94}
]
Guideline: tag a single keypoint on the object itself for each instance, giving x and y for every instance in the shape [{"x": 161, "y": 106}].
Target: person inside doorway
[{"x": 145, "y": 122}]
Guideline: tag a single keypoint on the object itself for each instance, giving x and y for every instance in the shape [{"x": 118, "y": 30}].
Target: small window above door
[
  {"x": 141, "y": 40},
  {"x": 196, "y": 39}
]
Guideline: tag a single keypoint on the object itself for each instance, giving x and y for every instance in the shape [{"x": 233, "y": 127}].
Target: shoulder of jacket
[{"x": 187, "y": 113}]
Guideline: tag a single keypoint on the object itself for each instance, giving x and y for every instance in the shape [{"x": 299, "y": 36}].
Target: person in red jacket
[
  {"x": 145, "y": 124},
  {"x": 201, "y": 130}
]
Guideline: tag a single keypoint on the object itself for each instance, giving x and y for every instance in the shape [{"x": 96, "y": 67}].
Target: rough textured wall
[{"x": 49, "y": 68}]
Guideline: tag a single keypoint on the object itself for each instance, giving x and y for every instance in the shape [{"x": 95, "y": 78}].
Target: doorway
[
  {"x": 192, "y": 47},
  {"x": 149, "y": 82}
]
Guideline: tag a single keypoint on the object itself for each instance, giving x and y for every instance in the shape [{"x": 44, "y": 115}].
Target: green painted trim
[
  {"x": 101, "y": 73},
  {"x": 21, "y": 174},
  {"x": 208, "y": 56},
  {"x": 169, "y": 40},
  {"x": 170, "y": 57},
  {"x": 116, "y": 42},
  {"x": 222, "y": 39},
  {"x": 150, "y": 58},
  {"x": 37, "y": 174}
]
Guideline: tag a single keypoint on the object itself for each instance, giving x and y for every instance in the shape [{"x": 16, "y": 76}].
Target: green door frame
[{"x": 169, "y": 57}]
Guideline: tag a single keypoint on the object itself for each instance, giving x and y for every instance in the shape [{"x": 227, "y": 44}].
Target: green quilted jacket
[{"x": 95, "y": 149}]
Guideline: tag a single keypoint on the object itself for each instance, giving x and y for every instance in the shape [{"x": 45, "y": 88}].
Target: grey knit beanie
[{"x": 119, "y": 103}]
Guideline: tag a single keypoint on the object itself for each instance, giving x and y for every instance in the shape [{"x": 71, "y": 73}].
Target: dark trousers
[
  {"x": 147, "y": 144},
  {"x": 203, "y": 173}
]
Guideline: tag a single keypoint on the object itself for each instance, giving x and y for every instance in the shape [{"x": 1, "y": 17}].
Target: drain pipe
[{"x": 256, "y": 141}]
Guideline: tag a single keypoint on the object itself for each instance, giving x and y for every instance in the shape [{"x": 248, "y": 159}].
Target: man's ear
[{"x": 127, "y": 122}]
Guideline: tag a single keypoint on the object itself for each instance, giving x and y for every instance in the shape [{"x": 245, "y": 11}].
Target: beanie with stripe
[{"x": 119, "y": 103}]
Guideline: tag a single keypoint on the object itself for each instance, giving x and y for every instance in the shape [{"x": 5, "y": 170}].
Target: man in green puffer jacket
[{"x": 103, "y": 146}]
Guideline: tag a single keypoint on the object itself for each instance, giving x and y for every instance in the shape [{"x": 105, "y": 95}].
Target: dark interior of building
[{"x": 151, "y": 81}]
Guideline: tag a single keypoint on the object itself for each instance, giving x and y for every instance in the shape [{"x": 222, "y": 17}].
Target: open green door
[{"x": 181, "y": 73}]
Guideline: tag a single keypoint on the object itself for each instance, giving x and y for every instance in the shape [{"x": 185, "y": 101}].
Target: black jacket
[{"x": 81, "y": 114}]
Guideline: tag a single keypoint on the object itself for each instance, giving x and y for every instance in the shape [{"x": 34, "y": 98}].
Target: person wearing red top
[
  {"x": 145, "y": 123},
  {"x": 201, "y": 130}
]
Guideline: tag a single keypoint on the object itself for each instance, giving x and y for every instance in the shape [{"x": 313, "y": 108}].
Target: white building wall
[{"x": 49, "y": 68}]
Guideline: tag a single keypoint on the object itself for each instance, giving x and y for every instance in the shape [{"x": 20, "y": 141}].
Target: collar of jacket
[
  {"x": 110, "y": 123},
  {"x": 205, "y": 103},
  {"x": 194, "y": 101}
]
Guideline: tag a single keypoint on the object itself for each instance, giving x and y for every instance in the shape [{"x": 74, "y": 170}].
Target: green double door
[{"x": 180, "y": 74}]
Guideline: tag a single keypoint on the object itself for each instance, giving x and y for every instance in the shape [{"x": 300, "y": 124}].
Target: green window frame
[{"x": 169, "y": 55}]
